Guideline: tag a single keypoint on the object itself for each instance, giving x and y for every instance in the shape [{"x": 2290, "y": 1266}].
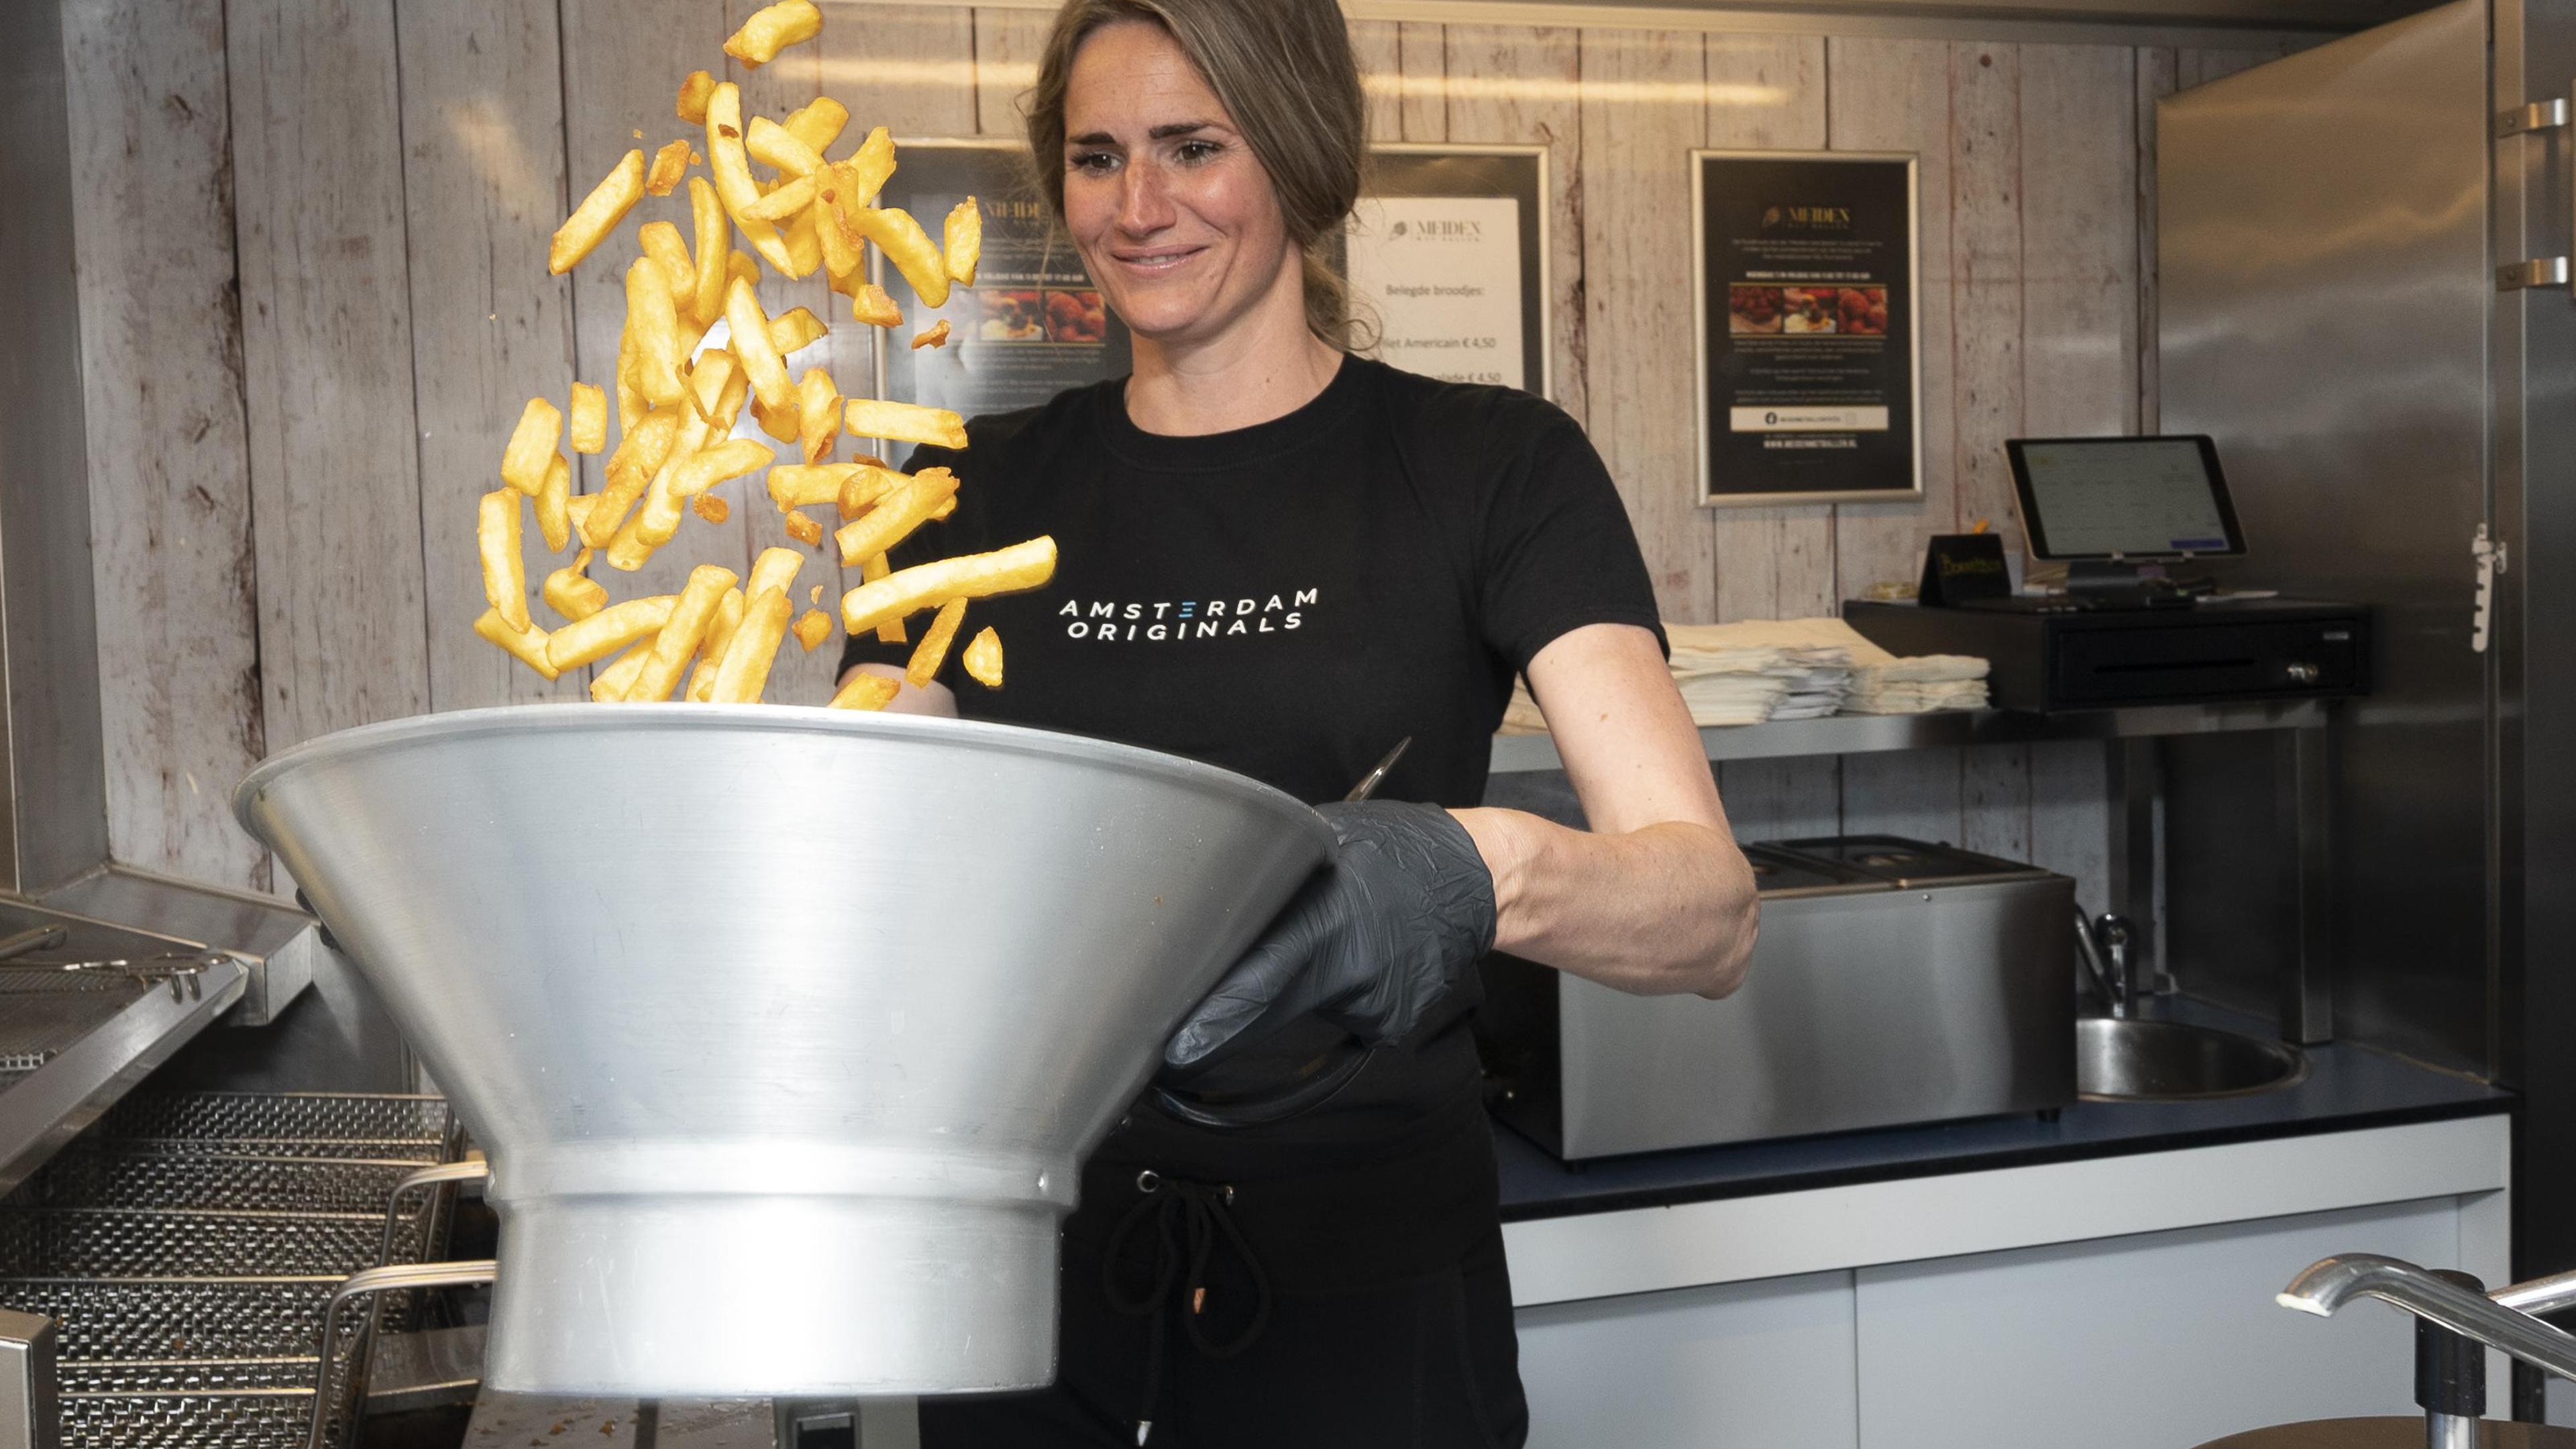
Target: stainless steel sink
[{"x": 2166, "y": 1061}]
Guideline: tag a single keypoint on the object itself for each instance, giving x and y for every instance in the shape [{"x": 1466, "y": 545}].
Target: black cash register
[{"x": 2139, "y": 622}]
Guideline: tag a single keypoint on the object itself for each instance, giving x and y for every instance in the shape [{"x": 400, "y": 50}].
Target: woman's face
[{"x": 1170, "y": 209}]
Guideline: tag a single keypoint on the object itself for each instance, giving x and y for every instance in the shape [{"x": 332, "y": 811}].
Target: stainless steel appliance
[
  {"x": 784, "y": 1029},
  {"x": 2363, "y": 255},
  {"x": 1893, "y": 982}
]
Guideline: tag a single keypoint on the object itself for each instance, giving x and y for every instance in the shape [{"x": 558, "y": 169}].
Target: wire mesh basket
[{"x": 189, "y": 1245}]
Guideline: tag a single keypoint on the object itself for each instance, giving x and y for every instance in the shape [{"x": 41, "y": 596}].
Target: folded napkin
[{"x": 1755, "y": 670}]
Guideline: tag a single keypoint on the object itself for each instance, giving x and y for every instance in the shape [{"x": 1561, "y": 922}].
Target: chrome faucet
[
  {"x": 2448, "y": 1309},
  {"x": 2116, "y": 982}
]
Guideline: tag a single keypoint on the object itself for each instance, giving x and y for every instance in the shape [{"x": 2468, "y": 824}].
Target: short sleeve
[{"x": 1558, "y": 552}]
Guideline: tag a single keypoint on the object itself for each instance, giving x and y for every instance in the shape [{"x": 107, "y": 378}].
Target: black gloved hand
[{"x": 1380, "y": 934}]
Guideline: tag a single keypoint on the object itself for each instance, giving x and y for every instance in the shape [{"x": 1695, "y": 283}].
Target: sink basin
[{"x": 2167, "y": 1061}]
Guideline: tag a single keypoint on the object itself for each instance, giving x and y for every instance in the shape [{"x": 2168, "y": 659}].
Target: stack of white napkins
[{"x": 1755, "y": 670}]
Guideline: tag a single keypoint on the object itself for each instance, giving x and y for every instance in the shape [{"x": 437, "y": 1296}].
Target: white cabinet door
[
  {"x": 1763, "y": 1365},
  {"x": 2159, "y": 1341}
]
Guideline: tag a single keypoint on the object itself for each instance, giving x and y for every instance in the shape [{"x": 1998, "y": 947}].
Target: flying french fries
[
  {"x": 773, "y": 29},
  {"x": 932, "y": 651},
  {"x": 598, "y": 214},
  {"x": 983, "y": 659},
  {"x": 680, "y": 396}
]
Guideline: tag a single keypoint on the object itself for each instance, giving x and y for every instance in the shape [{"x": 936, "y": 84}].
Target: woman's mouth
[{"x": 1156, "y": 261}]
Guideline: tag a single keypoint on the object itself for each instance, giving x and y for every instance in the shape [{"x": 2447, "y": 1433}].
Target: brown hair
[{"x": 1283, "y": 69}]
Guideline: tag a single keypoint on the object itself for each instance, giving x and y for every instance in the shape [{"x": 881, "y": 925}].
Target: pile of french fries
[{"x": 679, "y": 400}]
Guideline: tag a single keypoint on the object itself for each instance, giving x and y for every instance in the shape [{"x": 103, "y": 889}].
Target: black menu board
[
  {"x": 1808, "y": 354},
  {"x": 1031, "y": 326}
]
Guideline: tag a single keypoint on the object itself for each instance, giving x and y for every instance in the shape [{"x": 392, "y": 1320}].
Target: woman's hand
[
  {"x": 932, "y": 698},
  {"x": 1655, "y": 897}
]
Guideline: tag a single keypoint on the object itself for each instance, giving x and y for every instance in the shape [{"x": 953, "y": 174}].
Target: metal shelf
[{"x": 1862, "y": 734}]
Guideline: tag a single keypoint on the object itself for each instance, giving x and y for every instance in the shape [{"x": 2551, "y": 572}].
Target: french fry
[
  {"x": 906, "y": 245},
  {"x": 781, "y": 424},
  {"x": 640, "y": 455},
  {"x": 728, "y": 617},
  {"x": 577, "y": 509},
  {"x": 896, "y": 515},
  {"x": 525, "y": 460},
  {"x": 744, "y": 670},
  {"x": 609, "y": 685},
  {"x": 742, "y": 269},
  {"x": 796, "y": 329},
  {"x": 818, "y": 123},
  {"x": 505, "y": 571},
  {"x": 973, "y": 576},
  {"x": 818, "y": 414},
  {"x": 693, "y": 97},
  {"x": 711, "y": 508},
  {"x": 804, "y": 530},
  {"x": 528, "y": 644},
  {"x": 802, "y": 485},
  {"x": 631, "y": 405},
  {"x": 683, "y": 632},
  {"x": 932, "y": 651},
  {"x": 776, "y": 568},
  {"x": 814, "y": 596},
  {"x": 589, "y": 430},
  {"x": 731, "y": 168},
  {"x": 983, "y": 659},
  {"x": 841, "y": 254},
  {"x": 661, "y": 241},
  {"x": 653, "y": 320},
  {"x": 935, "y": 337},
  {"x": 786, "y": 201},
  {"x": 812, "y": 628},
  {"x": 609, "y": 630},
  {"x": 772, "y": 29},
  {"x": 861, "y": 490},
  {"x": 759, "y": 356},
  {"x": 866, "y": 691},
  {"x": 772, "y": 144},
  {"x": 962, "y": 241},
  {"x": 715, "y": 251},
  {"x": 871, "y": 570},
  {"x": 598, "y": 214},
  {"x": 569, "y": 590},
  {"x": 871, "y": 167},
  {"x": 871, "y": 304},
  {"x": 669, "y": 165},
  {"x": 903, "y": 423},
  {"x": 708, "y": 467},
  {"x": 804, "y": 244},
  {"x": 554, "y": 505}
]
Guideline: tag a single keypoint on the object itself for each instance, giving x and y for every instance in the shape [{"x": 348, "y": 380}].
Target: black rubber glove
[{"x": 1379, "y": 935}]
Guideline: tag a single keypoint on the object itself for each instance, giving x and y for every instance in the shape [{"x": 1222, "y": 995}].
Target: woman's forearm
[{"x": 1666, "y": 908}]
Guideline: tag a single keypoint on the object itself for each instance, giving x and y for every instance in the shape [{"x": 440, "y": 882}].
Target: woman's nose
[{"x": 1144, "y": 203}]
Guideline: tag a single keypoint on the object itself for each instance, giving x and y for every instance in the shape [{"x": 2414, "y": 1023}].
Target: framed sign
[
  {"x": 1810, "y": 384},
  {"x": 1031, "y": 326},
  {"x": 1447, "y": 253}
]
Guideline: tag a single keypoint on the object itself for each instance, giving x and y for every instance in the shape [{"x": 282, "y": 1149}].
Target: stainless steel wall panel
[{"x": 2324, "y": 290}]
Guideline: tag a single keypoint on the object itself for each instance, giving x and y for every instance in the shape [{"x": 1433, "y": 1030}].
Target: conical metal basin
[{"x": 784, "y": 1029}]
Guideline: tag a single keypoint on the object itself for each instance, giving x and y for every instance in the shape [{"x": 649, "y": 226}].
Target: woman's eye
[
  {"x": 1194, "y": 152},
  {"x": 1094, "y": 163}
]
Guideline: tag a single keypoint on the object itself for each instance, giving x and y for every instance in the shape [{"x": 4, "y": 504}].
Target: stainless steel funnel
[{"x": 784, "y": 1028}]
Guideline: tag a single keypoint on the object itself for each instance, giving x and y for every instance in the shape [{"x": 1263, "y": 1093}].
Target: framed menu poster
[
  {"x": 1446, "y": 254},
  {"x": 1809, "y": 379},
  {"x": 1031, "y": 326}
]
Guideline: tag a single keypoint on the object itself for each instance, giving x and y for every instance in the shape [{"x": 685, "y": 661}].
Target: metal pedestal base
[
  {"x": 2391, "y": 1433},
  {"x": 741, "y": 1296}
]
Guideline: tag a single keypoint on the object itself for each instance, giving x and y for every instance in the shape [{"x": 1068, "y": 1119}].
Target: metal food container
[
  {"x": 784, "y": 1029},
  {"x": 1893, "y": 982}
]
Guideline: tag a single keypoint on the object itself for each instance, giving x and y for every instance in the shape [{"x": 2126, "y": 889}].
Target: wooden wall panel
[
  {"x": 170, "y": 514},
  {"x": 1517, "y": 84},
  {"x": 327, "y": 354},
  {"x": 1644, "y": 108},
  {"x": 1008, "y": 46},
  {"x": 484, "y": 188},
  {"x": 1422, "y": 108},
  {"x": 1377, "y": 46}
]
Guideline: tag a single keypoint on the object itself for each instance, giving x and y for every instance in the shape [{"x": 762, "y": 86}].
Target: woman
[{"x": 1283, "y": 559}]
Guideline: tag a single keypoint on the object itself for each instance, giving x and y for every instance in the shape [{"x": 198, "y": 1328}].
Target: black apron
[{"x": 1226, "y": 1288}]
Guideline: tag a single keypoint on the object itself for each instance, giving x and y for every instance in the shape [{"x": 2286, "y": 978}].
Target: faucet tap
[{"x": 2116, "y": 980}]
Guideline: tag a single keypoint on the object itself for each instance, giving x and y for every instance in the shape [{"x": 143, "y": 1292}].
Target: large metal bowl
[{"x": 784, "y": 1028}]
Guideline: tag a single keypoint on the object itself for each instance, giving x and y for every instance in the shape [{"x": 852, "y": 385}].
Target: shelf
[{"x": 1863, "y": 734}]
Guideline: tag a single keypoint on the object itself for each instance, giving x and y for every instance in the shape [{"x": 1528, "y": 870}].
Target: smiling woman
[{"x": 1281, "y": 558}]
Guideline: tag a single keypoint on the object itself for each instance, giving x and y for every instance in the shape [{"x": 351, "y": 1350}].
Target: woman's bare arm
[
  {"x": 1655, "y": 897},
  {"x": 931, "y": 699}
]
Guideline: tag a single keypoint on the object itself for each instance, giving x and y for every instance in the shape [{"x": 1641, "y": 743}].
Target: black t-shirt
[{"x": 1289, "y": 600}]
